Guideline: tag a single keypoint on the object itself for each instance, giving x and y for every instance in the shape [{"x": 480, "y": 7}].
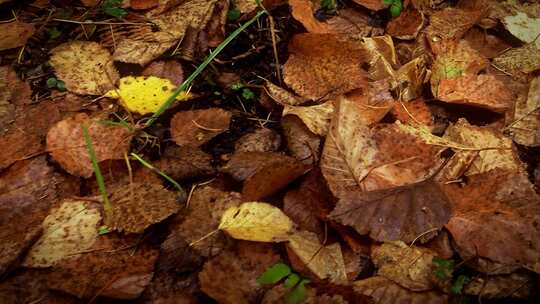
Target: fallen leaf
[
  {"x": 490, "y": 46},
  {"x": 262, "y": 140},
  {"x": 525, "y": 59},
  {"x": 523, "y": 27},
  {"x": 15, "y": 34},
  {"x": 407, "y": 25},
  {"x": 111, "y": 269},
  {"x": 66, "y": 143},
  {"x": 169, "y": 288},
  {"x": 137, "y": 206},
  {"x": 143, "y": 4},
  {"x": 86, "y": 67},
  {"x": 282, "y": 96},
  {"x": 452, "y": 23},
  {"x": 518, "y": 285},
  {"x": 242, "y": 165},
  {"x": 379, "y": 289},
  {"x": 18, "y": 145},
  {"x": 524, "y": 127},
  {"x": 196, "y": 127},
  {"x": 406, "y": 213},
  {"x": 165, "y": 69},
  {"x": 324, "y": 261},
  {"x": 414, "y": 112},
  {"x": 371, "y": 4},
  {"x": 68, "y": 231},
  {"x": 317, "y": 62},
  {"x": 182, "y": 163},
  {"x": 316, "y": 118},
  {"x": 231, "y": 277},
  {"x": 410, "y": 267},
  {"x": 302, "y": 144},
  {"x": 259, "y": 222},
  {"x": 494, "y": 225},
  {"x": 145, "y": 95},
  {"x": 28, "y": 189}
]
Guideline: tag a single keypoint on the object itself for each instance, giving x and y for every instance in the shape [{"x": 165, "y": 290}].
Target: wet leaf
[
  {"x": 86, "y": 67},
  {"x": 15, "y": 34},
  {"x": 196, "y": 127},
  {"x": 259, "y": 222},
  {"x": 378, "y": 288}
]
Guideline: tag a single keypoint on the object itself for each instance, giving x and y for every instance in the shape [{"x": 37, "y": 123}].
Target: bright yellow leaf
[
  {"x": 143, "y": 94},
  {"x": 259, "y": 222}
]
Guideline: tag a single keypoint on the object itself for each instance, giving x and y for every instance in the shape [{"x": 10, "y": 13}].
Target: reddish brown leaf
[
  {"x": 384, "y": 291},
  {"x": 194, "y": 128},
  {"x": 407, "y": 25},
  {"x": 490, "y": 46},
  {"x": 452, "y": 23},
  {"x": 244, "y": 164},
  {"x": 302, "y": 144},
  {"x": 143, "y": 4},
  {"x": 15, "y": 34},
  {"x": 17, "y": 146},
  {"x": 407, "y": 213},
  {"x": 182, "y": 163},
  {"x": 415, "y": 111},
  {"x": 317, "y": 62},
  {"x": 230, "y": 277},
  {"x": 66, "y": 143},
  {"x": 168, "y": 69},
  {"x": 262, "y": 140},
  {"x": 12, "y": 89},
  {"x": 371, "y": 4}
]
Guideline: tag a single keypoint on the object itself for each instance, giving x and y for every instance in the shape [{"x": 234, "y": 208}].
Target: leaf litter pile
[{"x": 300, "y": 151}]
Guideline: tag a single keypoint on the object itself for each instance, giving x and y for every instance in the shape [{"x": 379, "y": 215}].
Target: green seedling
[
  {"x": 459, "y": 283},
  {"x": 444, "y": 271},
  {"x": 274, "y": 274},
  {"x": 328, "y": 5},
  {"x": 54, "y": 33},
  {"x": 103, "y": 230},
  {"x": 234, "y": 14},
  {"x": 56, "y": 83},
  {"x": 293, "y": 281},
  {"x": 396, "y": 6},
  {"x": 247, "y": 93},
  {"x": 113, "y": 8}
]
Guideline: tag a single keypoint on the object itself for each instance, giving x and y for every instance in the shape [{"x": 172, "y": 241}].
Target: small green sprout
[
  {"x": 56, "y": 83},
  {"x": 54, "y": 33},
  {"x": 103, "y": 230},
  {"x": 328, "y": 5},
  {"x": 234, "y": 14},
  {"x": 113, "y": 8},
  {"x": 248, "y": 94},
  {"x": 293, "y": 281},
  {"x": 459, "y": 283},
  {"x": 274, "y": 274},
  {"x": 443, "y": 268},
  {"x": 396, "y": 6}
]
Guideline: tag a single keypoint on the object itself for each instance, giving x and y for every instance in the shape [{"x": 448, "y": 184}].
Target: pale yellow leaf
[{"x": 316, "y": 118}]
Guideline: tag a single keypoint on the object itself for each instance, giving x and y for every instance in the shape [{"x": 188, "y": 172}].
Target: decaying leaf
[
  {"x": 324, "y": 261},
  {"x": 18, "y": 145},
  {"x": 145, "y": 95},
  {"x": 525, "y": 59},
  {"x": 165, "y": 69},
  {"x": 316, "y": 118},
  {"x": 196, "y": 127},
  {"x": 259, "y": 222},
  {"x": 262, "y": 140},
  {"x": 524, "y": 127},
  {"x": 452, "y": 23},
  {"x": 494, "y": 225},
  {"x": 109, "y": 269},
  {"x": 523, "y": 27},
  {"x": 86, "y": 67},
  {"x": 137, "y": 206},
  {"x": 410, "y": 267},
  {"x": 181, "y": 163},
  {"x": 66, "y": 144},
  {"x": 231, "y": 277},
  {"x": 484, "y": 91},
  {"x": 15, "y": 34},
  {"x": 242, "y": 165},
  {"x": 407, "y": 25},
  {"x": 356, "y": 156},
  {"x": 406, "y": 213},
  {"x": 384, "y": 291},
  {"x": 516, "y": 285},
  {"x": 490, "y": 46},
  {"x": 68, "y": 231},
  {"x": 414, "y": 112},
  {"x": 317, "y": 63},
  {"x": 301, "y": 142}
]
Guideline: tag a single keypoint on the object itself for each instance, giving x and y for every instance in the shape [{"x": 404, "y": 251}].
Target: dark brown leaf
[
  {"x": 302, "y": 144},
  {"x": 181, "y": 163},
  {"x": 244, "y": 164},
  {"x": 262, "y": 140},
  {"x": 384, "y": 291},
  {"x": 194, "y": 128}
]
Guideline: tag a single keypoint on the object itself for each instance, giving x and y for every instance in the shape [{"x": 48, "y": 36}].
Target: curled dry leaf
[
  {"x": 317, "y": 63},
  {"x": 86, "y": 67},
  {"x": 324, "y": 261},
  {"x": 196, "y": 127},
  {"x": 484, "y": 91},
  {"x": 525, "y": 59},
  {"x": 524, "y": 127},
  {"x": 68, "y": 231},
  {"x": 380, "y": 289},
  {"x": 262, "y": 140},
  {"x": 407, "y": 25},
  {"x": 109, "y": 269},
  {"x": 15, "y": 34},
  {"x": 358, "y": 157},
  {"x": 137, "y": 206},
  {"x": 316, "y": 118},
  {"x": 231, "y": 277},
  {"x": 259, "y": 222},
  {"x": 410, "y": 267},
  {"x": 145, "y": 94},
  {"x": 165, "y": 69},
  {"x": 301, "y": 142},
  {"x": 494, "y": 225},
  {"x": 406, "y": 213},
  {"x": 66, "y": 143}
]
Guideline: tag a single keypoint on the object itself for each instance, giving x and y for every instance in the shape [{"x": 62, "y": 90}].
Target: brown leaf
[
  {"x": 483, "y": 91},
  {"x": 143, "y": 4},
  {"x": 113, "y": 269},
  {"x": 407, "y": 213},
  {"x": 410, "y": 267},
  {"x": 494, "y": 226},
  {"x": 323, "y": 261},
  {"x": 196, "y": 127},
  {"x": 167, "y": 69},
  {"x": 524, "y": 127},
  {"x": 15, "y": 34},
  {"x": 407, "y": 25},
  {"x": 316, "y": 118},
  {"x": 28, "y": 189},
  {"x": 244, "y": 164},
  {"x": 516, "y": 285},
  {"x": 66, "y": 143},
  {"x": 271, "y": 179},
  {"x": 170, "y": 288},
  {"x": 452, "y": 23},
  {"x": 302, "y": 144},
  {"x": 384, "y": 291},
  {"x": 414, "y": 112},
  {"x": 86, "y": 67},
  {"x": 317, "y": 62},
  {"x": 181, "y": 163},
  {"x": 262, "y": 140},
  {"x": 137, "y": 206},
  {"x": 231, "y": 277},
  {"x": 371, "y": 4},
  {"x": 282, "y": 96},
  {"x": 12, "y": 89},
  {"x": 17, "y": 146},
  {"x": 525, "y": 59},
  {"x": 490, "y": 46}
]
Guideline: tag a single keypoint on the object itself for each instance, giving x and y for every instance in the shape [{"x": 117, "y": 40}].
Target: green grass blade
[
  {"x": 187, "y": 83},
  {"x": 97, "y": 172}
]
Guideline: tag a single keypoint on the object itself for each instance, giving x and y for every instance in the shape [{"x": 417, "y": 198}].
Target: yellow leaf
[
  {"x": 259, "y": 222},
  {"x": 145, "y": 95}
]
